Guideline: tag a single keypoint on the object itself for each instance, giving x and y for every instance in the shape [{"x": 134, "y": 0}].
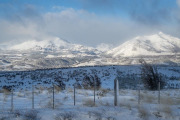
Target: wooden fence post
[
  {"x": 74, "y": 95},
  {"x": 32, "y": 96},
  {"x": 159, "y": 85},
  {"x": 115, "y": 92},
  {"x": 53, "y": 96},
  {"x": 94, "y": 92},
  {"x": 139, "y": 94},
  {"x": 12, "y": 105}
]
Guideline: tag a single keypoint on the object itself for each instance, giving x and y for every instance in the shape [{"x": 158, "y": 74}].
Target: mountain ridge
[
  {"x": 55, "y": 53},
  {"x": 156, "y": 44}
]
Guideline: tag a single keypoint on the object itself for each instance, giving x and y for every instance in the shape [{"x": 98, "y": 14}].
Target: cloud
[
  {"x": 104, "y": 47},
  {"x": 178, "y": 2},
  {"x": 76, "y": 26},
  {"x": 80, "y": 26}
]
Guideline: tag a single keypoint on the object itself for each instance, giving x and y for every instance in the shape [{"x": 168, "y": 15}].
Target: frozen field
[{"x": 104, "y": 109}]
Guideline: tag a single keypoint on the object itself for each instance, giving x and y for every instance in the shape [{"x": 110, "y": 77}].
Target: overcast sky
[{"x": 87, "y": 22}]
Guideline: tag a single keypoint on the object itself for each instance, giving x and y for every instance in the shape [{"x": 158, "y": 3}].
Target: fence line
[{"x": 95, "y": 95}]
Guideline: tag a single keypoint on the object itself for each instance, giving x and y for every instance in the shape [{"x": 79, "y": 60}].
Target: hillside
[
  {"x": 153, "y": 45},
  {"x": 129, "y": 77}
]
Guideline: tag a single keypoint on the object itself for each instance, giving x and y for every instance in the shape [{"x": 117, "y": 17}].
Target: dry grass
[
  {"x": 88, "y": 102},
  {"x": 49, "y": 104},
  {"x": 65, "y": 116},
  {"x": 96, "y": 115},
  {"x": 123, "y": 92},
  {"x": 58, "y": 103},
  {"x": 70, "y": 90},
  {"x": 40, "y": 89},
  {"x": 132, "y": 100},
  {"x": 102, "y": 92},
  {"x": 167, "y": 100},
  {"x": 49, "y": 90},
  {"x": 125, "y": 104},
  {"x": 103, "y": 103},
  {"x": 57, "y": 89},
  {"x": 65, "y": 98},
  {"x": 6, "y": 94},
  {"x": 148, "y": 98},
  {"x": 170, "y": 100},
  {"x": 167, "y": 111},
  {"x": 20, "y": 94},
  {"x": 143, "y": 113}
]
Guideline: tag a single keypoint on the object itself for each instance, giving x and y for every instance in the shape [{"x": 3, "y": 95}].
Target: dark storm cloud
[
  {"x": 143, "y": 11},
  {"x": 19, "y": 13}
]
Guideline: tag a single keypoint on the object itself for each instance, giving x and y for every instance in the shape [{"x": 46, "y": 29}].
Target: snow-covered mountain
[
  {"x": 157, "y": 44},
  {"x": 55, "y": 52},
  {"x": 53, "y": 44},
  {"x": 51, "y": 53}
]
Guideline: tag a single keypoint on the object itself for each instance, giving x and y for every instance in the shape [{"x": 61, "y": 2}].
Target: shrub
[
  {"x": 88, "y": 81},
  {"x": 150, "y": 76},
  {"x": 59, "y": 82}
]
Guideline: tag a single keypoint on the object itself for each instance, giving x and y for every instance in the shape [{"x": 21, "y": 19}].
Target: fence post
[
  {"x": 117, "y": 88},
  {"x": 74, "y": 95},
  {"x": 139, "y": 91},
  {"x": 139, "y": 94},
  {"x": 94, "y": 92},
  {"x": 12, "y": 105},
  {"x": 159, "y": 85},
  {"x": 32, "y": 96},
  {"x": 115, "y": 92},
  {"x": 53, "y": 96}
]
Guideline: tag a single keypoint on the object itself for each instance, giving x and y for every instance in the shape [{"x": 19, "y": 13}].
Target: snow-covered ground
[
  {"x": 129, "y": 76},
  {"x": 127, "y": 109}
]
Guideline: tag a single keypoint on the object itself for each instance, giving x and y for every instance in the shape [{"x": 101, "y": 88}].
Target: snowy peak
[
  {"x": 52, "y": 44},
  {"x": 157, "y": 44}
]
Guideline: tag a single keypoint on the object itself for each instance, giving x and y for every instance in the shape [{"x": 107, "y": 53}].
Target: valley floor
[{"x": 127, "y": 109}]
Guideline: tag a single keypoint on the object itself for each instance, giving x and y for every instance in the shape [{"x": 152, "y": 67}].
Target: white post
[{"x": 117, "y": 89}]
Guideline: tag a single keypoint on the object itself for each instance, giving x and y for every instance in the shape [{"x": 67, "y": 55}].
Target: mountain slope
[
  {"x": 51, "y": 53},
  {"x": 53, "y": 44},
  {"x": 157, "y": 44},
  {"x": 55, "y": 53}
]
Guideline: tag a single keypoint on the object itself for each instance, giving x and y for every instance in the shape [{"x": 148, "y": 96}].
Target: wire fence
[{"x": 54, "y": 97}]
